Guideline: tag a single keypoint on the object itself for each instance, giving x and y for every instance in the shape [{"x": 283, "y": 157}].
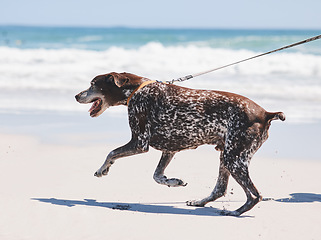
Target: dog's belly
[
  {"x": 180, "y": 135},
  {"x": 179, "y": 143}
]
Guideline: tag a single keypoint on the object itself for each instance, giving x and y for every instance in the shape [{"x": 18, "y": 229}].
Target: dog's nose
[{"x": 77, "y": 97}]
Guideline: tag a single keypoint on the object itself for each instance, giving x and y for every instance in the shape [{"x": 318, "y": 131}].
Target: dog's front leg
[
  {"x": 138, "y": 144},
  {"x": 127, "y": 150}
]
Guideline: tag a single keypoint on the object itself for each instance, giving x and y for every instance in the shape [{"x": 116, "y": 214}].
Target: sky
[{"x": 236, "y": 14}]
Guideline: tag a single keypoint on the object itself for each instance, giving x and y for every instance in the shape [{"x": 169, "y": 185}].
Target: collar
[{"x": 139, "y": 87}]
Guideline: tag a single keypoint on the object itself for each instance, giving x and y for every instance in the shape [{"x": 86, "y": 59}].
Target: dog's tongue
[{"x": 95, "y": 105}]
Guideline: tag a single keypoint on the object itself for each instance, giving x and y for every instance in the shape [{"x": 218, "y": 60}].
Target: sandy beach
[
  {"x": 50, "y": 147},
  {"x": 48, "y": 190}
]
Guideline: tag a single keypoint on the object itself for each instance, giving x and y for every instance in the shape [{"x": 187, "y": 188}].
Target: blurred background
[{"x": 50, "y": 51}]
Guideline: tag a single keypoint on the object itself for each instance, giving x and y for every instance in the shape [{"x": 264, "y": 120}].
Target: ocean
[{"x": 42, "y": 68}]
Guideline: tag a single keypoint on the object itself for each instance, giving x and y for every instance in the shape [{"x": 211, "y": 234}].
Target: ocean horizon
[{"x": 101, "y": 38}]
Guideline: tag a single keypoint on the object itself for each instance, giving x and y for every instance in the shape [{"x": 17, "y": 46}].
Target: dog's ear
[{"x": 119, "y": 79}]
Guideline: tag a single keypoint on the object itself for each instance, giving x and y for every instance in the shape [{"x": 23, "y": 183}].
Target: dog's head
[{"x": 107, "y": 90}]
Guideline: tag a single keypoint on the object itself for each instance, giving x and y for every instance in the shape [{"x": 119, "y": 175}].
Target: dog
[{"x": 171, "y": 118}]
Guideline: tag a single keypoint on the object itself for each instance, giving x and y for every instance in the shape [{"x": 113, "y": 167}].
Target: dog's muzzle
[
  {"x": 82, "y": 97},
  {"x": 98, "y": 105}
]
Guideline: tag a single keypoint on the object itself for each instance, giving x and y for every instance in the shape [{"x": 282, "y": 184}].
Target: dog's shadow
[
  {"x": 301, "y": 198},
  {"x": 160, "y": 208},
  {"x": 169, "y": 208}
]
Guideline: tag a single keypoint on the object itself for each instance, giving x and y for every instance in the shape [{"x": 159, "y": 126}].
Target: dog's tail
[{"x": 270, "y": 116}]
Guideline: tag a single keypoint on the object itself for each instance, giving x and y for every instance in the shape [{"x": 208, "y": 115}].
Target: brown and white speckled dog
[{"x": 171, "y": 118}]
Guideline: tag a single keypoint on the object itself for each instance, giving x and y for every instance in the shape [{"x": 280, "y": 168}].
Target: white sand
[{"x": 48, "y": 191}]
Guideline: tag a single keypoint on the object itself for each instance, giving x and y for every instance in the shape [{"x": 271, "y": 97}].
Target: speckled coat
[{"x": 171, "y": 118}]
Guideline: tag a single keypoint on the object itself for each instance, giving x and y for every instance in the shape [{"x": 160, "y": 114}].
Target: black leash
[{"x": 260, "y": 55}]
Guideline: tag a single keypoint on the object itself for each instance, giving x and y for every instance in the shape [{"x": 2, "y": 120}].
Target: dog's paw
[
  {"x": 174, "y": 182},
  {"x": 229, "y": 213},
  {"x": 171, "y": 182},
  {"x": 101, "y": 172},
  {"x": 195, "y": 203}
]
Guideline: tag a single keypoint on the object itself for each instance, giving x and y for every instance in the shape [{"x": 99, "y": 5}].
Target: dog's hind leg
[
  {"x": 238, "y": 167},
  {"x": 220, "y": 187},
  {"x": 253, "y": 196},
  {"x": 159, "y": 176}
]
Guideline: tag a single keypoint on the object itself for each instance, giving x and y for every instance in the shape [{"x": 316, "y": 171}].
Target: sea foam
[{"x": 39, "y": 79}]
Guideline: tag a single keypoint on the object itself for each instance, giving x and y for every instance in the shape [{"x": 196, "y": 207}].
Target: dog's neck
[
  {"x": 143, "y": 84},
  {"x": 130, "y": 89}
]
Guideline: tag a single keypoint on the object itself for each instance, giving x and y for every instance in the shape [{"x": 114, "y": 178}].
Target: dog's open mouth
[{"x": 96, "y": 107}]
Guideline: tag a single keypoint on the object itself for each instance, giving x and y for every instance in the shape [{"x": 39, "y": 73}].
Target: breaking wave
[{"x": 49, "y": 78}]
